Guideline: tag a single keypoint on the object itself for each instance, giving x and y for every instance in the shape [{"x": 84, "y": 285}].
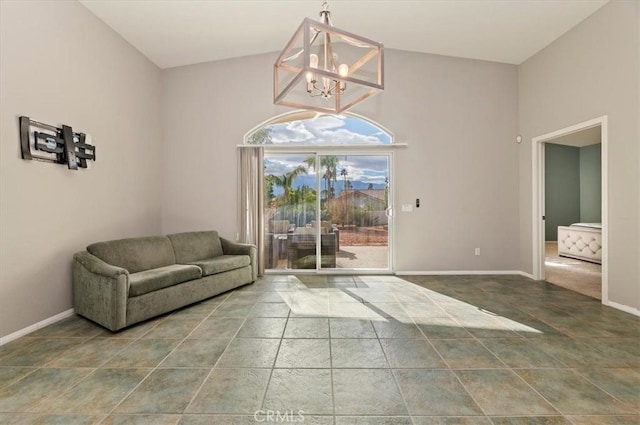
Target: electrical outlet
[{"x": 477, "y": 252}]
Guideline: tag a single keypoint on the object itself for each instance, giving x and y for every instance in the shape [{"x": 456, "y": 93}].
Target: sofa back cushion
[
  {"x": 135, "y": 254},
  {"x": 194, "y": 246}
]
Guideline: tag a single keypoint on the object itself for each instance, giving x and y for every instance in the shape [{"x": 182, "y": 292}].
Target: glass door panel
[
  {"x": 354, "y": 201},
  {"x": 290, "y": 207}
]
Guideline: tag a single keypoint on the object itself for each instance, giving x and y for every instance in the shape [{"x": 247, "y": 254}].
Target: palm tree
[
  {"x": 285, "y": 181},
  {"x": 261, "y": 136},
  {"x": 330, "y": 165},
  {"x": 344, "y": 174}
]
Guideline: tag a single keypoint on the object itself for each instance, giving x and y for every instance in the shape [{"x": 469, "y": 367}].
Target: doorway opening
[{"x": 570, "y": 208}]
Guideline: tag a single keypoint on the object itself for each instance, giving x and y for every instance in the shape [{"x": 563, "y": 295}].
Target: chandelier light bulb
[
  {"x": 326, "y": 82},
  {"x": 313, "y": 60},
  {"x": 343, "y": 69}
]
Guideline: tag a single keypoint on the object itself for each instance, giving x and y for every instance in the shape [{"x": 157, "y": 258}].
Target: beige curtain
[{"x": 252, "y": 200}]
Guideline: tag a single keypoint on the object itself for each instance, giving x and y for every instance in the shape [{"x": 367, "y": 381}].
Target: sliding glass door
[
  {"x": 332, "y": 203},
  {"x": 355, "y": 226},
  {"x": 290, "y": 204}
]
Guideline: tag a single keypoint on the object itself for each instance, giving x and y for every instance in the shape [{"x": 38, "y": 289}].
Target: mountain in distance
[{"x": 310, "y": 181}]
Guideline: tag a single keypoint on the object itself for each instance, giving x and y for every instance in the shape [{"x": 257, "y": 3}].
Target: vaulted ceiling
[{"x": 181, "y": 32}]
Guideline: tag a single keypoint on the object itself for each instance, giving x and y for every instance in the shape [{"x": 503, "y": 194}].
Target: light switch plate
[{"x": 407, "y": 207}]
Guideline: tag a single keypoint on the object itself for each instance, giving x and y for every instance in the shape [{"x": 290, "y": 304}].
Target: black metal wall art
[{"x": 44, "y": 142}]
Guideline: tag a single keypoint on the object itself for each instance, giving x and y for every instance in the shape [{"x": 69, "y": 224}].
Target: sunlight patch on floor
[{"x": 378, "y": 298}]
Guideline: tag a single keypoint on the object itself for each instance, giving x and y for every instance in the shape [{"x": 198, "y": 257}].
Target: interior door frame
[{"x": 538, "y": 207}]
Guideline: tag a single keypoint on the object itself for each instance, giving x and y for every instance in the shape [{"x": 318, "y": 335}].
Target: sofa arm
[
  {"x": 235, "y": 248},
  {"x": 97, "y": 266},
  {"x": 100, "y": 291}
]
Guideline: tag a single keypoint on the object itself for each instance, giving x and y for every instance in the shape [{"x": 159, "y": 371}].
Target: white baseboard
[
  {"x": 622, "y": 307},
  {"x": 36, "y": 326},
  {"x": 460, "y": 272},
  {"x": 525, "y": 274}
]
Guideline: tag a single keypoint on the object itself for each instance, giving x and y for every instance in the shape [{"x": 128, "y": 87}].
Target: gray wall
[
  {"x": 591, "y": 71},
  {"x": 562, "y": 188},
  {"x": 59, "y": 64},
  {"x": 573, "y": 186},
  {"x": 458, "y": 116},
  {"x": 591, "y": 184}
]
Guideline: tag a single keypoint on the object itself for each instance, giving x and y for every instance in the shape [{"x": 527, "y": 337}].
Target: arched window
[
  {"x": 311, "y": 128},
  {"x": 316, "y": 191}
]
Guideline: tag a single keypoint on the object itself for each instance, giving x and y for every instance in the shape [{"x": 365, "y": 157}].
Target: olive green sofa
[{"x": 122, "y": 282}]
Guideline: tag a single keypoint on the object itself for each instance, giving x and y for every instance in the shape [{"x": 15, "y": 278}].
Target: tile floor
[{"x": 340, "y": 350}]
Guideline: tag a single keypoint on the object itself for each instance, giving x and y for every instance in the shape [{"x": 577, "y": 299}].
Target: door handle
[{"x": 389, "y": 212}]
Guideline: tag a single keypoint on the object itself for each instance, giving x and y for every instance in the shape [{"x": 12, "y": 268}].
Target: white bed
[{"x": 582, "y": 241}]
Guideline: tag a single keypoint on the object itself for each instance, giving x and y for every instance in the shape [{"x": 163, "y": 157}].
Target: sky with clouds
[
  {"x": 331, "y": 130},
  {"x": 328, "y": 130}
]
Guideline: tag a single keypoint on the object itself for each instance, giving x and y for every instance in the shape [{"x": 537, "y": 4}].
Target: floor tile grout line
[
  {"x": 101, "y": 365},
  {"x": 95, "y": 369},
  {"x": 576, "y": 371},
  {"x": 16, "y": 380},
  {"x": 393, "y": 375},
  {"x": 514, "y": 371},
  {"x": 537, "y": 318},
  {"x": 157, "y": 366},
  {"x": 34, "y": 404},
  {"x": 477, "y": 339},
  {"x": 454, "y": 374},
  {"x": 112, "y": 411},
  {"x": 333, "y": 392},
  {"x": 204, "y": 381},
  {"x": 546, "y": 322},
  {"x": 441, "y": 357},
  {"x": 68, "y": 349},
  {"x": 8, "y": 349},
  {"x": 273, "y": 366},
  {"x": 537, "y": 392},
  {"x": 568, "y": 418}
]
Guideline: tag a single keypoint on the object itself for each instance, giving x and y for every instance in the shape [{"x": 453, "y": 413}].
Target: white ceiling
[
  {"x": 587, "y": 137},
  {"x": 182, "y": 32}
]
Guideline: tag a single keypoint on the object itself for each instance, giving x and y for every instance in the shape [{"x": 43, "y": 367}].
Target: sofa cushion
[
  {"x": 222, "y": 263},
  {"x": 151, "y": 280},
  {"x": 194, "y": 246},
  {"x": 135, "y": 254}
]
